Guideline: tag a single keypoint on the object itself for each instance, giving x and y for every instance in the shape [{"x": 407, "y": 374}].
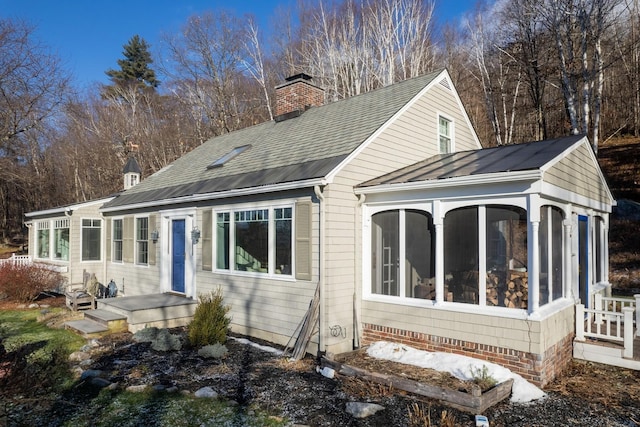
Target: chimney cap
[{"x": 303, "y": 76}]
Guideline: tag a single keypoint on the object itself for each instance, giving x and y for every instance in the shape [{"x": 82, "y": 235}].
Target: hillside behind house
[{"x": 620, "y": 162}]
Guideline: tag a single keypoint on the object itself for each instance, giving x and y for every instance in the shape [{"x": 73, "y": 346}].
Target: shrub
[
  {"x": 213, "y": 351},
  {"x": 482, "y": 377},
  {"x": 23, "y": 283},
  {"x": 166, "y": 341},
  {"x": 210, "y": 321}
]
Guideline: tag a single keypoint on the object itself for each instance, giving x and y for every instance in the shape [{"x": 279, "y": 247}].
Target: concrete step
[
  {"x": 87, "y": 328},
  {"x": 115, "y": 322}
]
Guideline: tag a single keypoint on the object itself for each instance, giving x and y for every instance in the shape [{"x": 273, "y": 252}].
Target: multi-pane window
[
  {"x": 256, "y": 240},
  {"x": 117, "y": 240},
  {"x": 444, "y": 135},
  {"x": 223, "y": 222},
  {"x": 142, "y": 240},
  {"x": 61, "y": 239},
  {"x": 43, "y": 239},
  {"x": 91, "y": 237}
]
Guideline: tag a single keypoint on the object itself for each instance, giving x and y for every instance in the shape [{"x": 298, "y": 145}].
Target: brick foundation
[{"x": 539, "y": 369}]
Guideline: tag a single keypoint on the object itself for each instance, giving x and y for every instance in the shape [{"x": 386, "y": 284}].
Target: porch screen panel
[
  {"x": 461, "y": 255},
  {"x": 419, "y": 255},
  {"x": 557, "y": 243},
  {"x": 385, "y": 243},
  {"x": 507, "y": 274}
]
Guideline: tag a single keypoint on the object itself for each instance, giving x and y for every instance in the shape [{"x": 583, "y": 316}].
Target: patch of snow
[
  {"x": 459, "y": 366},
  {"x": 258, "y": 346}
]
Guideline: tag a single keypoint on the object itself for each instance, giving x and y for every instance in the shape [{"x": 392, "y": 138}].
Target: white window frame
[
  {"x": 82, "y": 228},
  {"x": 271, "y": 269},
  {"x": 43, "y": 225},
  {"x": 451, "y": 135},
  {"x": 136, "y": 251},
  {"x": 59, "y": 224},
  {"x": 113, "y": 240}
]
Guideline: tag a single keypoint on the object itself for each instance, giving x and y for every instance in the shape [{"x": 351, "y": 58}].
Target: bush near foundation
[
  {"x": 210, "y": 321},
  {"x": 24, "y": 283}
]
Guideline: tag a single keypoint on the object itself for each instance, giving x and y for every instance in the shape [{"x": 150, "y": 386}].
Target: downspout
[
  {"x": 321, "y": 312},
  {"x": 68, "y": 213},
  {"x": 356, "y": 307}
]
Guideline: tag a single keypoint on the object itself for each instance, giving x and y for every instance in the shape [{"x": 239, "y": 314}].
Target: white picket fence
[
  {"x": 611, "y": 319},
  {"x": 17, "y": 260}
]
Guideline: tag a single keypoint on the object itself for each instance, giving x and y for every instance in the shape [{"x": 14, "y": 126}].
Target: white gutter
[
  {"x": 220, "y": 195},
  {"x": 492, "y": 178},
  {"x": 65, "y": 209}
]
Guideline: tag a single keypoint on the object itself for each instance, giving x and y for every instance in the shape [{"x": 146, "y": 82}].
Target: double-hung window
[
  {"x": 445, "y": 135},
  {"x": 91, "y": 237},
  {"x": 142, "y": 240},
  {"x": 117, "y": 240},
  {"x": 255, "y": 240}
]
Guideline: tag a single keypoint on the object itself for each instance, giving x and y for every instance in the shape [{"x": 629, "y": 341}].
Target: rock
[
  {"x": 159, "y": 388},
  {"x": 362, "y": 409},
  {"x": 87, "y": 362},
  {"x": 79, "y": 356},
  {"x": 90, "y": 373},
  {"x": 137, "y": 388},
  {"x": 100, "y": 382},
  {"x": 206, "y": 392},
  {"x": 112, "y": 386},
  {"x": 172, "y": 389},
  {"x": 33, "y": 305}
]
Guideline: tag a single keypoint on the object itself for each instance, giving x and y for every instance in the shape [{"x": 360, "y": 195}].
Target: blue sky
[{"x": 89, "y": 35}]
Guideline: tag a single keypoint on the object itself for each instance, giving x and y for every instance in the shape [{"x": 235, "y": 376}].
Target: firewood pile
[{"x": 508, "y": 289}]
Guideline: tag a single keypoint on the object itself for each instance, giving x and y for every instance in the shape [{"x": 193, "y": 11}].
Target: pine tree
[{"x": 135, "y": 67}]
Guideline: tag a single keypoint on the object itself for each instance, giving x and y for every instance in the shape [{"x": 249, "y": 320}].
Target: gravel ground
[{"x": 250, "y": 377}]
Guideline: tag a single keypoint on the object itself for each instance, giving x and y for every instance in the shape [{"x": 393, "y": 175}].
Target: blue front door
[{"x": 177, "y": 255}]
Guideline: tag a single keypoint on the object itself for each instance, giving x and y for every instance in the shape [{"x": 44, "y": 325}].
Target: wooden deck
[{"x": 136, "y": 313}]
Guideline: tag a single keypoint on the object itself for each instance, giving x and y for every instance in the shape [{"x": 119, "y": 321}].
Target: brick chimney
[{"x": 297, "y": 95}]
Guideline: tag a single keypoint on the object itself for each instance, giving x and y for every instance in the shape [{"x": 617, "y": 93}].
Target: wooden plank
[{"x": 472, "y": 403}]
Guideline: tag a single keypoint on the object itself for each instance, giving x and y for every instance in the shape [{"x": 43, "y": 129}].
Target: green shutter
[
  {"x": 108, "y": 233},
  {"x": 128, "y": 239},
  {"x": 152, "y": 246},
  {"x": 304, "y": 212},
  {"x": 207, "y": 240}
]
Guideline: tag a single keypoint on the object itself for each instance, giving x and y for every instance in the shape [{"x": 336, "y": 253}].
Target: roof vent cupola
[
  {"x": 131, "y": 173},
  {"x": 296, "y": 95}
]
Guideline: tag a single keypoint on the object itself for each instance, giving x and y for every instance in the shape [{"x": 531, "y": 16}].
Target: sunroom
[
  {"x": 515, "y": 232},
  {"x": 487, "y": 227}
]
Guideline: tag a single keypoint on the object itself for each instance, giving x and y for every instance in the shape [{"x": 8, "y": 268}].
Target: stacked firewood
[{"x": 513, "y": 294}]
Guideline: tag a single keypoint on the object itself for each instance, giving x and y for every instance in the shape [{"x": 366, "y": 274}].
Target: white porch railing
[
  {"x": 608, "y": 319},
  {"x": 17, "y": 260}
]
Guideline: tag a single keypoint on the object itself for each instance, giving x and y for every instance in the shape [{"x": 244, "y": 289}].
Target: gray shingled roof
[
  {"x": 506, "y": 158},
  {"x": 302, "y": 148}
]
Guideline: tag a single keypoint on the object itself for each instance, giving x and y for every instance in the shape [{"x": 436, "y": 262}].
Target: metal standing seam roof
[
  {"x": 302, "y": 148},
  {"x": 506, "y": 158}
]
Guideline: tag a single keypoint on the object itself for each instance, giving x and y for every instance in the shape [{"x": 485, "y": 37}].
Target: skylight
[{"x": 230, "y": 155}]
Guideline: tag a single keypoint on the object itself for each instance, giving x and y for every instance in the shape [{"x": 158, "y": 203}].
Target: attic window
[{"x": 230, "y": 155}]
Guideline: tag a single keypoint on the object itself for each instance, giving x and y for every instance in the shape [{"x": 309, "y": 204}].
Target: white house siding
[
  {"x": 577, "y": 173},
  {"x": 410, "y": 138}
]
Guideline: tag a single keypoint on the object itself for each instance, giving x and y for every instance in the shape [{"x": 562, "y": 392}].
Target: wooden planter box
[{"x": 475, "y": 403}]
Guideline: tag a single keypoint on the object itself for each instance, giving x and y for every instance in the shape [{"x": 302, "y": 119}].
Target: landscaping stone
[
  {"x": 206, "y": 392},
  {"x": 363, "y": 409}
]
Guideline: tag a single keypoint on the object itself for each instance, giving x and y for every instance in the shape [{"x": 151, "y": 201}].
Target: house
[{"x": 388, "y": 206}]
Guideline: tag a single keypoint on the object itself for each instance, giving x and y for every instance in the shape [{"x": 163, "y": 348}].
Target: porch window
[
  {"x": 117, "y": 240},
  {"x": 43, "y": 239},
  {"x": 461, "y": 257},
  {"x": 142, "y": 240},
  {"x": 403, "y": 256},
  {"x": 91, "y": 238},
  {"x": 444, "y": 135},
  {"x": 550, "y": 236},
  {"x": 506, "y": 240},
  {"x": 61, "y": 239}
]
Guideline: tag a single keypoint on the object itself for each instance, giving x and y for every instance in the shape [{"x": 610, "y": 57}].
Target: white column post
[
  {"x": 580, "y": 322},
  {"x": 637, "y": 298},
  {"x": 628, "y": 333},
  {"x": 568, "y": 266},
  {"x": 438, "y": 219}
]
